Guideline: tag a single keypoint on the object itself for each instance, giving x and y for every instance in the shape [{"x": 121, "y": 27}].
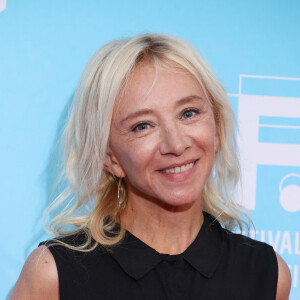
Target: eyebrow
[{"x": 147, "y": 111}]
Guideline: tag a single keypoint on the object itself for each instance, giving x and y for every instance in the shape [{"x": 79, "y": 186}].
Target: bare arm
[
  {"x": 38, "y": 279},
  {"x": 284, "y": 279}
]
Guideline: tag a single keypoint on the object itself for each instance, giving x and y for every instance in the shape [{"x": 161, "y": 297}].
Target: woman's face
[{"x": 163, "y": 137}]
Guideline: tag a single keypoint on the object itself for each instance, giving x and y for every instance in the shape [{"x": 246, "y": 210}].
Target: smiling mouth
[{"x": 180, "y": 169}]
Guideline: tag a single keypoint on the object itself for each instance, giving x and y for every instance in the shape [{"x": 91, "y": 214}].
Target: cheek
[
  {"x": 205, "y": 135},
  {"x": 137, "y": 156}
]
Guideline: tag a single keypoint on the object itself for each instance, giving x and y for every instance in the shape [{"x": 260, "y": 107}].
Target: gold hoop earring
[{"x": 119, "y": 207}]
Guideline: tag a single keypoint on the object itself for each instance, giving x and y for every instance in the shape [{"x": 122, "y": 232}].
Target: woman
[{"x": 150, "y": 149}]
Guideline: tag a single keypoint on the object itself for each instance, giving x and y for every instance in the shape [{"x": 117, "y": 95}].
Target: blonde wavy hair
[{"x": 90, "y": 200}]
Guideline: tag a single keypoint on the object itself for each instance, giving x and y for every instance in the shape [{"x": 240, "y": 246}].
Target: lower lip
[{"x": 178, "y": 177}]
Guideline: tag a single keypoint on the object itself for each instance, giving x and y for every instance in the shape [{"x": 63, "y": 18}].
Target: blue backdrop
[{"x": 252, "y": 46}]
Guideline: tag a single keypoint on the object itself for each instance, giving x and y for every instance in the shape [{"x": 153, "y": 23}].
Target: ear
[{"x": 112, "y": 165}]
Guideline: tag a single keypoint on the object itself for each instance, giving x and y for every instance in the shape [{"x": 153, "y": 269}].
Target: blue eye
[
  {"x": 188, "y": 114},
  {"x": 141, "y": 127}
]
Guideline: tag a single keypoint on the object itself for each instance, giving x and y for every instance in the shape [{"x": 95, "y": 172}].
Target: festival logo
[
  {"x": 269, "y": 136},
  {"x": 290, "y": 193},
  {"x": 269, "y": 142}
]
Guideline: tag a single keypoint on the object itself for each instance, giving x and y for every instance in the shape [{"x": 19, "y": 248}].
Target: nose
[{"x": 174, "y": 141}]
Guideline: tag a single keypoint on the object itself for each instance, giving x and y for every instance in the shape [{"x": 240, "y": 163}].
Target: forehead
[{"x": 149, "y": 87}]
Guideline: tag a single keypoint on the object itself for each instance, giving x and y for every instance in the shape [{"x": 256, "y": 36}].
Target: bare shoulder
[
  {"x": 39, "y": 277},
  {"x": 284, "y": 279}
]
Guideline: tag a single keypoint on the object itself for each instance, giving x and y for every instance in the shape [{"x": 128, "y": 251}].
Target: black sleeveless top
[{"x": 217, "y": 265}]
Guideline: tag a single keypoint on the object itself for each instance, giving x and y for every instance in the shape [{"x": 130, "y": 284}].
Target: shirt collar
[{"x": 137, "y": 258}]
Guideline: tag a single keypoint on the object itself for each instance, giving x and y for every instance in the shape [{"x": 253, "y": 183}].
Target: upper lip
[{"x": 178, "y": 164}]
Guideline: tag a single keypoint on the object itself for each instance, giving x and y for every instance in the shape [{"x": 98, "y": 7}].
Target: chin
[{"x": 178, "y": 203}]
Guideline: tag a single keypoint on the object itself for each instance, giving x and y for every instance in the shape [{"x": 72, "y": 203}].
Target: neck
[{"x": 168, "y": 230}]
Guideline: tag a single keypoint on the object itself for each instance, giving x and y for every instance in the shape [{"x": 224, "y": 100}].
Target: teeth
[{"x": 179, "y": 169}]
